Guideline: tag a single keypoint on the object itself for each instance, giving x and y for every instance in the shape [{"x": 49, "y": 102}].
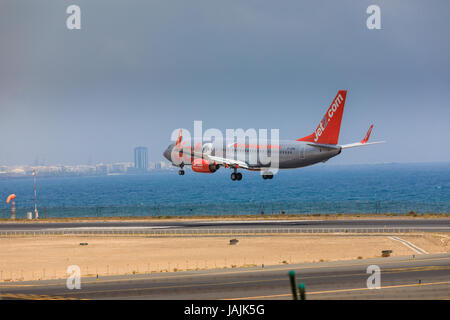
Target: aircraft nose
[{"x": 166, "y": 154}]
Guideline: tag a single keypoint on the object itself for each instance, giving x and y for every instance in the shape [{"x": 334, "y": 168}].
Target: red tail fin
[{"x": 327, "y": 132}]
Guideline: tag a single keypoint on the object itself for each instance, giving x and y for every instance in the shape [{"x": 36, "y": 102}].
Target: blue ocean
[{"x": 324, "y": 189}]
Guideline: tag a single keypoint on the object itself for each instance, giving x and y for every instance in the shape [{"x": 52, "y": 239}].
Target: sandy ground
[
  {"x": 432, "y": 241},
  {"x": 45, "y": 257}
]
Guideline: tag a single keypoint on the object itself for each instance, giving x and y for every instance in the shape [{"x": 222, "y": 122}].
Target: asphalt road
[
  {"x": 431, "y": 225},
  {"x": 422, "y": 277}
]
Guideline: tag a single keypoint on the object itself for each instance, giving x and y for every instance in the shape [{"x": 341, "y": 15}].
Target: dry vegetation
[{"x": 47, "y": 257}]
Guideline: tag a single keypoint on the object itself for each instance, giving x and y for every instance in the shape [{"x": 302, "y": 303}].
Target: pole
[
  {"x": 301, "y": 288},
  {"x": 293, "y": 285},
  {"x": 35, "y": 195},
  {"x": 13, "y": 210}
]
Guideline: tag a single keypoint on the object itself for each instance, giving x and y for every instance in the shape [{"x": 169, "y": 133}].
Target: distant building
[
  {"x": 141, "y": 159},
  {"x": 120, "y": 167},
  {"x": 161, "y": 165},
  {"x": 101, "y": 169},
  {"x": 116, "y": 168}
]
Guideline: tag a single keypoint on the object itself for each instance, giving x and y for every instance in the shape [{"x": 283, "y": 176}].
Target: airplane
[{"x": 319, "y": 146}]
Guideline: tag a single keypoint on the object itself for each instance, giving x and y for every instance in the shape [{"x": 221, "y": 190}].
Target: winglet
[
  {"x": 363, "y": 142},
  {"x": 366, "y": 138},
  {"x": 180, "y": 137}
]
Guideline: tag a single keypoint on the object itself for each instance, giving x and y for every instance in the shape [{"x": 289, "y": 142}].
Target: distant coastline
[
  {"x": 80, "y": 170},
  {"x": 126, "y": 168}
]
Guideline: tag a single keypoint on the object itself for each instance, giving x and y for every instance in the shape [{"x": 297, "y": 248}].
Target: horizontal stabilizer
[
  {"x": 325, "y": 146},
  {"x": 359, "y": 144}
]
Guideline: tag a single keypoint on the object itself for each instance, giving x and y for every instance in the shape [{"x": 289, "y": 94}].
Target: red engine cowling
[{"x": 202, "y": 165}]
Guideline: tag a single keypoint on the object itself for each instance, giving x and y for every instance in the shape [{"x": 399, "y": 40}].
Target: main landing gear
[
  {"x": 267, "y": 175},
  {"x": 236, "y": 175}
]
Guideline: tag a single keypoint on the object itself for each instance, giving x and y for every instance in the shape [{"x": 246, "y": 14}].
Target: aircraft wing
[
  {"x": 359, "y": 144},
  {"x": 227, "y": 162},
  {"x": 187, "y": 150}
]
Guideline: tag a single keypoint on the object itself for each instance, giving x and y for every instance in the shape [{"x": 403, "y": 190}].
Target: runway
[
  {"x": 420, "y": 277},
  {"x": 417, "y": 224}
]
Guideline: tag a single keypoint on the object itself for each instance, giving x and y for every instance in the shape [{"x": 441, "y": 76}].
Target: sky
[{"x": 137, "y": 70}]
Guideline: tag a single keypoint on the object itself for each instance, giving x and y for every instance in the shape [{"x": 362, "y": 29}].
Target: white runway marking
[{"x": 409, "y": 245}]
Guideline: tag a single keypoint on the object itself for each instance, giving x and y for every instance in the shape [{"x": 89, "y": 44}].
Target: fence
[
  {"x": 232, "y": 208},
  {"x": 203, "y": 232}
]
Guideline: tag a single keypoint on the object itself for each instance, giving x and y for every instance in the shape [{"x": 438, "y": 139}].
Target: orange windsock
[{"x": 10, "y": 197}]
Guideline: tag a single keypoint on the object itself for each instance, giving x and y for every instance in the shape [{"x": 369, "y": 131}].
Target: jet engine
[{"x": 203, "y": 165}]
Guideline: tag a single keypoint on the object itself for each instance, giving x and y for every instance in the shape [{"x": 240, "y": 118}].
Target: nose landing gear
[{"x": 181, "y": 171}]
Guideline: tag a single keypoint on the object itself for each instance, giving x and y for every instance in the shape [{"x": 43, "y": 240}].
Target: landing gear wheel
[
  {"x": 267, "y": 176},
  {"x": 181, "y": 172},
  {"x": 239, "y": 176},
  {"x": 233, "y": 176}
]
